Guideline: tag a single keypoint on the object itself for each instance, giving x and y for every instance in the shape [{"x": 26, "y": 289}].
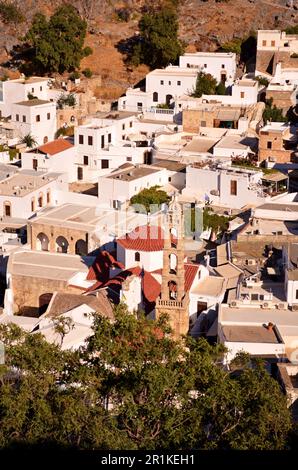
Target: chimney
[{"x": 270, "y": 326}]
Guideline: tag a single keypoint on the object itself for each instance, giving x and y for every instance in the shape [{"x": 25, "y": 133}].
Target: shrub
[
  {"x": 10, "y": 13},
  {"x": 88, "y": 73}
]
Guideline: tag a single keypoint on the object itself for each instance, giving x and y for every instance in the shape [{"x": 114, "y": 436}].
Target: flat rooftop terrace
[
  {"x": 250, "y": 334},
  {"x": 45, "y": 265},
  {"x": 22, "y": 183},
  {"x": 134, "y": 173}
]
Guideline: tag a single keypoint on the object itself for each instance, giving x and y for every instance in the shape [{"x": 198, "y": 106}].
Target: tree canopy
[
  {"x": 161, "y": 394},
  {"x": 150, "y": 196},
  {"x": 205, "y": 85},
  {"x": 57, "y": 44},
  {"x": 272, "y": 113},
  {"x": 159, "y": 44}
]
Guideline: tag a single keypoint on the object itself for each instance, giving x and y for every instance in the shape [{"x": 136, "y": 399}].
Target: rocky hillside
[{"x": 204, "y": 25}]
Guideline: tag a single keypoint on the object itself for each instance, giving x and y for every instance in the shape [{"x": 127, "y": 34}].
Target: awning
[{"x": 275, "y": 177}]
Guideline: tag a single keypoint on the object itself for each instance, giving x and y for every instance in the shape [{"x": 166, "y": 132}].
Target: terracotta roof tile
[
  {"x": 56, "y": 146},
  {"x": 143, "y": 238}
]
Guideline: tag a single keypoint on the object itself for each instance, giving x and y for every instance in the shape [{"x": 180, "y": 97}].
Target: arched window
[
  {"x": 48, "y": 196},
  {"x": 33, "y": 204},
  {"x": 61, "y": 245},
  {"x": 81, "y": 247},
  {"x": 45, "y": 139},
  {"x": 42, "y": 242},
  {"x": 7, "y": 209},
  {"x": 40, "y": 200},
  {"x": 137, "y": 256},
  {"x": 155, "y": 97},
  {"x": 173, "y": 263}
]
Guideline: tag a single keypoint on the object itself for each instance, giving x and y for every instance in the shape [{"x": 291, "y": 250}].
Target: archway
[
  {"x": 44, "y": 301},
  {"x": 81, "y": 248},
  {"x": 42, "y": 242},
  {"x": 173, "y": 263},
  {"x": 61, "y": 245}
]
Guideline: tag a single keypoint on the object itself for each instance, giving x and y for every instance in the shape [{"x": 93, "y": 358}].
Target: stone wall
[
  {"x": 31, "y": 295},
  {"x": 192, "y": 119},
  {"x": 281, "y": 99},
  {"x": 277, "y": 150}
]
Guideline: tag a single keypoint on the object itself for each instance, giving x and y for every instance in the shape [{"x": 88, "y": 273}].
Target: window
[
  {"x": 179, "y": 82},
  {"x": 269, "y": 145},
  {"x": 203, "y": 123},
  {"x": 205, "y": 66},
  {"x": 34, "y": 163},
  {"x": 170, "y": 83},
  {"x": 264, "y": 43},
  {"x": 33, "y": 205},
  {"x": 129, "y": 159},
  {"x": 32, "y": 89},
  {"x": 104, "y": 164},
  {"x": 272, "y": 43},
  {"x": 137, "y": 256},
  {"x": 110, "y": 138},
  {"x": 123, "y": 127},
  {"x": 222, "y": 66},
  {"x": 296, "y": 294},
  {"x": 90, "y": 140},
  {"x": 130, "y": 124},
  {"x": 48, "y": 116},
  {"x": 81, "y": 139},
  {"x": 40, "y": 88},
  {"x": 102, "y": 141},
  {"x": 37, "y": 117},
  {"x": 254, "y": 297},
  {"x": 161, "y": 82},
  {"x": 45, "y": 139},
  {"x": 48, "y": 196},
  {"x": 233, "y": 188},
  {"x": 242, "y": 94},
  {"x": 7, "y": 209},
  {"x": 17, "y": 117},
  {"x": 40, "y": 200},
  {"x": 24, "y": 118},
  {"x": 155, "y": 96},
  {"x": 169, "y": 179},
  {"x": 140, "y": 105},
  {"x": 86, "y": 160}
]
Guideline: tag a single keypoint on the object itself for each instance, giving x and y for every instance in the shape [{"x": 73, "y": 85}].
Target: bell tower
[{"x": 173, "y": 299}]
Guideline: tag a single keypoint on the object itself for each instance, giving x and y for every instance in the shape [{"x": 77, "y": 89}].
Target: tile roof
[
  {"x": 64, "y": 302},
  {"x": 100, "y": 269},
  {"x": 56, "y": 146},
  {"x": 143, "y": 238}
]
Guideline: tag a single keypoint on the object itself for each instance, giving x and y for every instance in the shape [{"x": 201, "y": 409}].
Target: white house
[
  {"x": 56, "y": 156},
  {"x": 229, "y": 186},
  {"x": 14, "y": 91},
  {"x": 221, "y": 65},
  {"x": 106, "y": 143},
  {"x": 35, "y": 117},
  {"x": 117, "y": 188},
  {"x": 23, "y": 193}
]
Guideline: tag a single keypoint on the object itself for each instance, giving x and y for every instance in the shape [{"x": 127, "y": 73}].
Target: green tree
[
  {"x": 272, "y": 113},
  {"x": 205, "y": 85},
  {"x": 150, "y": 196},
  {"x": 165, "y": 394},
  {"x": 220, "y": 89},
  {"x": 57, "y": 44},
  {"x": 29, "y": 140},
  {"x": 159, "y": 44}
]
